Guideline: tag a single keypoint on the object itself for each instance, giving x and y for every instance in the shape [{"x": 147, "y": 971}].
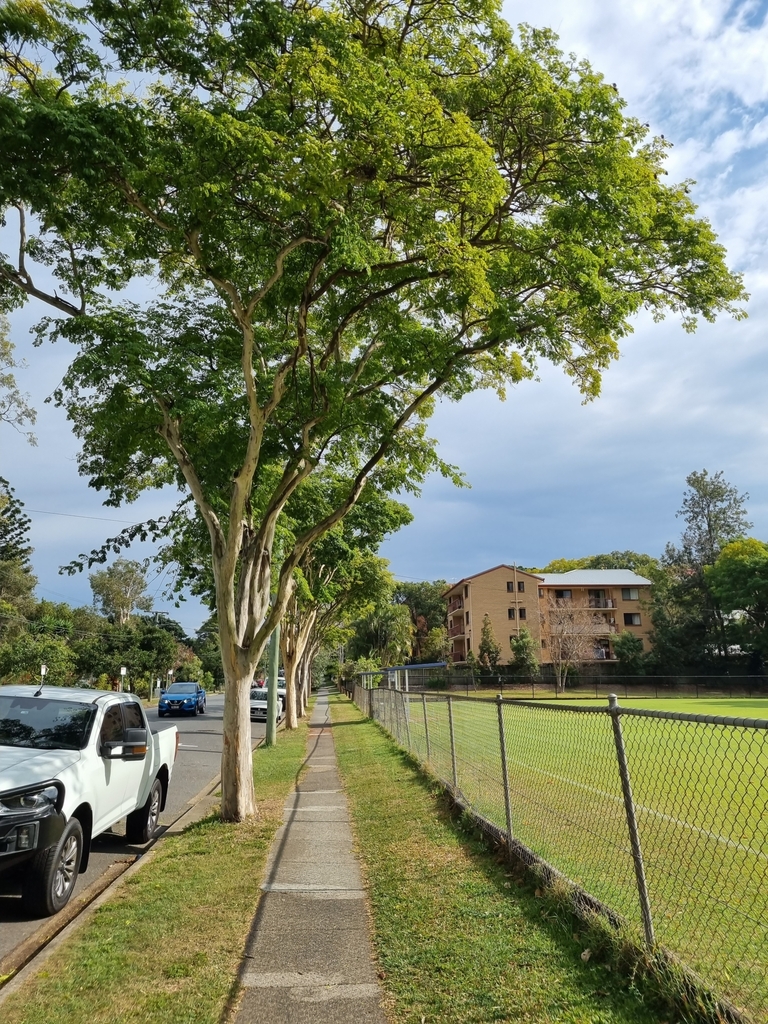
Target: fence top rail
[{"x": 589, "y": 709}]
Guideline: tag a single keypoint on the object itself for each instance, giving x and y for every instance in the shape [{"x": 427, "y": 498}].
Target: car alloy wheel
[{"x": 66, "y": 870}]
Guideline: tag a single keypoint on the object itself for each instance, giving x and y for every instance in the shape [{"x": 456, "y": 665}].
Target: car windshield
[
  {"x": 44, "y": 724},
  {"x": 182, "y": 688},
  {"x": 256, "y": 694}
]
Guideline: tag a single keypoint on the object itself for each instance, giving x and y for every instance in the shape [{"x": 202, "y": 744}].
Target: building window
[
  {"x": 510, "y": 613},
  {"x": 467, "y": 615},
  {"x": 632, "y": 619},
  {"x": 541, "y": 591},
  {"x": 562, "y": 595},
  {"x": 629, "y": 594},
  {"x": 510, "y": 587},
  {"x": 466, "y": 590},
  {"x": 513, "y": 637},
  {"x": 544, "y": 643},
  {"x": 521, "y": 613},
  {"x": 521, "y": 586}
]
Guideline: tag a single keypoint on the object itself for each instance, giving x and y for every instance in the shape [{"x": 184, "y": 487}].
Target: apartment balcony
[
  {"x": 607, "y": 602},
  {"x": 457, "y": 630},
  {"x": 588, "y": 629},
  {"x": 455, "y": 605},
  {"x": 458, "y": 656}
]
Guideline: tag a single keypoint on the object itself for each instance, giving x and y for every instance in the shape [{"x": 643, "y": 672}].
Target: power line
[{"x": 72, "y": 515}]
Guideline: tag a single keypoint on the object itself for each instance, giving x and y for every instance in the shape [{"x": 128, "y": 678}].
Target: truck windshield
[{"x": 44, "y": 724}]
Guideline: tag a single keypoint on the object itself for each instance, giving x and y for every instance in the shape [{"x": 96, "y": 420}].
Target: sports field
[{"x": 701, "y": 796}]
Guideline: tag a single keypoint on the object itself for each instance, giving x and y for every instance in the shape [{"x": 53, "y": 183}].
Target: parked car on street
[
  {"x": 73, "y": 762},
  {"x": 182, "y": 698},
  {"x": 259, "y": 697}
]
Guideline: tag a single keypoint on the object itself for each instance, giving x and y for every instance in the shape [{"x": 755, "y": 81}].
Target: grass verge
[
  {"x": 460, "y": 937},
  {"x": 166, "y": 948}
]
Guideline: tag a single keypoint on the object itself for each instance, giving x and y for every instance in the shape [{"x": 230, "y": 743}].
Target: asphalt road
[{"x": 197, "y": 764}]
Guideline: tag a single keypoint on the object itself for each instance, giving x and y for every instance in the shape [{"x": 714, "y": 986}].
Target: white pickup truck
[{"x": 72, "y": 763}]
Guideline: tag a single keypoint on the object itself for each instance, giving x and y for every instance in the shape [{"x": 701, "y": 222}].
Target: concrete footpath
[{"x": 309, "y": 957}]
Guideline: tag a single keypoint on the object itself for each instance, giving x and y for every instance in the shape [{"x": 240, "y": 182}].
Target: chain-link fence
[
  {"x": 463, "y": 679},
  {"x": 658, "y": 817}
]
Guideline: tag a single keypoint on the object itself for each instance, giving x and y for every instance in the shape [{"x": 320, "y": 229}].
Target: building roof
[
  {"x": 595, "y": 578},
  {"x": 503, "y": 565}
]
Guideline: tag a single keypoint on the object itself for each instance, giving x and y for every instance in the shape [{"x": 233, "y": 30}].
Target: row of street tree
[{"x": 346, "y": 210}]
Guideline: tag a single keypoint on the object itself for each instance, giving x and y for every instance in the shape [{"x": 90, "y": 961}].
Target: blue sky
[{"x": 549, "y": 477}]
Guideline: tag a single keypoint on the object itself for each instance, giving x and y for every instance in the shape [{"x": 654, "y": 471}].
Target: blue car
[{"x": 182, "y": 698}]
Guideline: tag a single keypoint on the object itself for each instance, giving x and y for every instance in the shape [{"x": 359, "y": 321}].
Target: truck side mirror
[{"x": 132, "y": 748}]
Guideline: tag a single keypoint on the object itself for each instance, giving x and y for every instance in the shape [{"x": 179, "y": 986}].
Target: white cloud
[{"x": 551, "y": 477}]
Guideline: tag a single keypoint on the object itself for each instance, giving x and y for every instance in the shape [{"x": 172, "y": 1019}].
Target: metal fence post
[
  {"x": 407, "y": 713},
  {"x": 426, "y": 725},
  {"x": 504, "y": 772},
  {"x": 453, "y": 743},
  {"x": 634, "y": 835}
]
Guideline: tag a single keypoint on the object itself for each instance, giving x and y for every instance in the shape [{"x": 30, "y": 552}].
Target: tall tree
[
  {"x": 525, "y": 654},
  {"x": 628, "y": 649},
  {"x": 14, "y": 407},
  {"x": 118, "y": 590},
  {"x": 714, "y": 515},
  {"x": 17, "y": 581},
  {"x": 14, "y": 527},
  {"x": 426, "y": 605},
  {"x": 739, "y": 581},
  {"x": 349, "y": 209},
  {"x": 489, "y": 648},
  {"x": 688, "y": 620},
  {"x": 384, "y": 634}
]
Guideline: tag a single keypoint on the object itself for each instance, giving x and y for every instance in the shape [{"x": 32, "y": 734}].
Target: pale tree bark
[
  {"x": 305, "y": 670},
  {"x": 296, "y": 630}
]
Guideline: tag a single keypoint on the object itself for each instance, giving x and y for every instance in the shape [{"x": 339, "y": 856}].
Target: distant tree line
[{"x": 90, "y": 644}]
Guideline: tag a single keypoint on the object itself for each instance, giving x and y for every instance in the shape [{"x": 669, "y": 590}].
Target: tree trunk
[
  {"x": 291, "y": 713},
  {"x": 238, "y": 798},
  {"x": 306, "y": 679}
]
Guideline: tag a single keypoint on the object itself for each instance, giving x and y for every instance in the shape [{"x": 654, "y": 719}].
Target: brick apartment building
[{"x": 603, "y": 602}]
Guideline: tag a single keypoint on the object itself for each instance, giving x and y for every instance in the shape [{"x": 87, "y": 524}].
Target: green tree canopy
[
  {"x": 489, "y": 649},
  {"x": 14, "y": 407},
  {"x": 17, "y": 581},
  {"x": 525, "y": 655},
  {"x": 426, "y": 605},
  {"x": 628, "y": 649},
  {"x": 348, "y": 209},
  {"x": 739, "y": 581},
  {"x": 643, "y": 565},
  {"x": 119, "y": 589},
  {"x": 689, "y": 627},
  {"x": 384, "y": 634}
]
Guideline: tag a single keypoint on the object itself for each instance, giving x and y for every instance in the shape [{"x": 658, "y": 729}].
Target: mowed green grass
[
  {"x": 701, "y": 793},
  {"x": 728, "y": 707}
]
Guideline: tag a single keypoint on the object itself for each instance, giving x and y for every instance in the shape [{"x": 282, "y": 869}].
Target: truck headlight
[{"x": 34, "y": 800}]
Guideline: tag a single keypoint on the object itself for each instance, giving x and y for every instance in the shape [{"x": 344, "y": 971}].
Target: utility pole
[{"x": 274, "y": 661}]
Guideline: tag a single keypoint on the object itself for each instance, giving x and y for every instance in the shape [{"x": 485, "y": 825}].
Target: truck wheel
[
  {"x": 141, "y": 824},
  {"x": 51, "y": 874}
]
